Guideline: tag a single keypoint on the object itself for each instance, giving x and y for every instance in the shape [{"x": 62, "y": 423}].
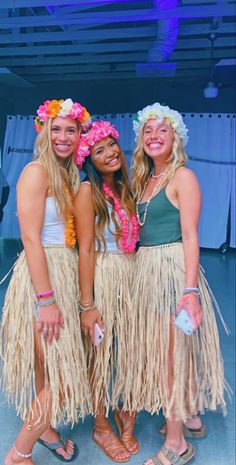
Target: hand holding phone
[
  {"x": 184, "y": 322},
  {"x": 98, "y": 335}
]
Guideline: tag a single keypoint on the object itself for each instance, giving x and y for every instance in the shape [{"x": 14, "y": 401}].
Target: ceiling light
[{"x": 210, "y": 91}]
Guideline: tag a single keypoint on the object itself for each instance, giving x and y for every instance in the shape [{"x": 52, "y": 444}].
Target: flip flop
[{"x": 52, "y": 446}]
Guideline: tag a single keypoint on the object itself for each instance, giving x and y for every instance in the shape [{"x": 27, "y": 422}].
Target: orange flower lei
[{"x": 70, "y": 234}]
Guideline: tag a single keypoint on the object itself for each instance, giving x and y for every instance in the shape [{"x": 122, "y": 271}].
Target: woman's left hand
[{"x": 192, "y": 304}]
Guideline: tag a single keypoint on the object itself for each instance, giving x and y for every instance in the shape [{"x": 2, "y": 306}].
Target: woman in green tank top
[{"x": 169, "y": 370}]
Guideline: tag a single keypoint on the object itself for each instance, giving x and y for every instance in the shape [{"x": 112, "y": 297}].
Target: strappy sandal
[
  {"x": 110, "y": 443},
  {"x": 52, "y": 446},
  {"x": 174, "y": 458},
  {"x": 126, "y": 433}
]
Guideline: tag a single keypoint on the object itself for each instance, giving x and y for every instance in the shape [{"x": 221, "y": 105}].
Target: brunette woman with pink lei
[{"x": 107, "y": 230}]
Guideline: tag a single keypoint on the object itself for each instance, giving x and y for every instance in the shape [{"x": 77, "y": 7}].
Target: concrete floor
[{"x": 218, "y": 448}]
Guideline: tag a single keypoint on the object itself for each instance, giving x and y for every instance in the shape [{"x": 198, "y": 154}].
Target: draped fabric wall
[
  {"x": 212, "y": 154},
  {"x": 17, "y": 152}
]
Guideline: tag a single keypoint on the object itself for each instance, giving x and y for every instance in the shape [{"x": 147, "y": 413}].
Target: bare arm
[
  {"x": 189, "y": 201},
  {"x": 85, "y": 229},
  {"x": 31, "y": 196}
]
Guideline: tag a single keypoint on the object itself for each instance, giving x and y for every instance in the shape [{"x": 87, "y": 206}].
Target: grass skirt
[
  {"x": 108, "y": 361},
  {"x": 196, "y": 374},
  {"x": 64, "y": 360}
]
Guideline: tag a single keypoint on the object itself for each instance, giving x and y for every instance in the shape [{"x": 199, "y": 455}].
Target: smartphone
[
  {"x": 98, "y": 335},
  {"x": 184, "y": 322}
]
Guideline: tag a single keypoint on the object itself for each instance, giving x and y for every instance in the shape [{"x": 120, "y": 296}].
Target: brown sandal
[
  {"x": 126, "y": 433},
  {"x": 110, "y": 444}
]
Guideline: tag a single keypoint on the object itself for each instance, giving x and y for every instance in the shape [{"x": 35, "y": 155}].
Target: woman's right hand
[
  {"x": 88, "y": 319},
  {"x": 50, "y": 322}
]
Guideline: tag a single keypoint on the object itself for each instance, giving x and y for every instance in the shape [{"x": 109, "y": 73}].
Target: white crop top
[{"x": 53, "y": 231}]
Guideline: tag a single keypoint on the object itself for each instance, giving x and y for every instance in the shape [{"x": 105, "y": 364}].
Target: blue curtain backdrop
[{"x": 211, "y": 149}]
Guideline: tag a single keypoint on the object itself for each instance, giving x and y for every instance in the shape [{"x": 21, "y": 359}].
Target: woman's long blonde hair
[
  {"x": 142, "y": 164},
  {"x": 63, "y": 175},
  {"x": 99, "y": 199}
]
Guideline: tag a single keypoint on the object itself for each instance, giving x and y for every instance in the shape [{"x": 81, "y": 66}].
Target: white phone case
[
  {"x": 184, "y": 322},
  {"x": 98, "y": 335}
]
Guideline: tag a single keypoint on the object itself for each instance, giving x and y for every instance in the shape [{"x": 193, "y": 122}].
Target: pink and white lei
[
  {"x": 99, "y": 130},
  {"x": 129, "y": 226}
]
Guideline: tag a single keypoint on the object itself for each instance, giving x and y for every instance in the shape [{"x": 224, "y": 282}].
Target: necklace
[
  {"x": 70, "y": 234},
  {"x": 154, "y": 192},
  {"x": 129, "y": 226},
  {"x": 158, "y": 175}
]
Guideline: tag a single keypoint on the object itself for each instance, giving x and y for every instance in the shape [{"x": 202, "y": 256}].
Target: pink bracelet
[{"x": 45, "y": 294}]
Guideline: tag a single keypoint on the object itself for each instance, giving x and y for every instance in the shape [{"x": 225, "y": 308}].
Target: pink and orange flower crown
[
  {"x": 99, "y": 130},
  {"x": 53, "y": 108}
]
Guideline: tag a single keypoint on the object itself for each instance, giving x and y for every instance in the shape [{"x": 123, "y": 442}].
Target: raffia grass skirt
[
  {"x": 64, "y": 360},
  {"x": 108, "y": 362},
  {"x": 181, "y": 374}
]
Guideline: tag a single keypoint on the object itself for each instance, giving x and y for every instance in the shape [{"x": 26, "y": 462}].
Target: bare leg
[
  {"x": 125, "y": 423},
  {"x": 30, "y": 432},
  {"x": 50, "y": 435},
  {"x": 174, "y": 438},
  {"x": 104, "y": 435}
]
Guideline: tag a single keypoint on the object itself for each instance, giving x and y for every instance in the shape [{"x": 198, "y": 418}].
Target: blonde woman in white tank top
[{"x": 44, "y": 371}]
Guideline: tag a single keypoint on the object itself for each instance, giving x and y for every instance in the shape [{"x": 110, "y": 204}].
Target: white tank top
[
  {"x": 111, "y": 245},
  {"x": 53, "y": 231}
]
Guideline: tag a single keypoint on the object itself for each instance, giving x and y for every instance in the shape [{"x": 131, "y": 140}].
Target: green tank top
[{"x": 162, "y": 225}]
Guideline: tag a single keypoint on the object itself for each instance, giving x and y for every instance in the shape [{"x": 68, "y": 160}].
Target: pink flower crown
[
  {"x": 99, "y": 130},
  {"x": 53, "y": 108}
]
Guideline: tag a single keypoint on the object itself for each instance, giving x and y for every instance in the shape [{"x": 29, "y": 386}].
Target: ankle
[
  {"x": 16, "y": 459},
  {"x": 20, "y": 454},
  {"x": 176, "y": 444},
  {"x": 102, "y": 425}
]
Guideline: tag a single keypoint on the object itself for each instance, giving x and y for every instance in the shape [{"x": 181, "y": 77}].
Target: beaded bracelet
[
  {"x": 45, "y": 303},
  {"x": 45, "y": 294},
  {"x": 86, "y": 309},
  {"x": 191, "y": 290}
]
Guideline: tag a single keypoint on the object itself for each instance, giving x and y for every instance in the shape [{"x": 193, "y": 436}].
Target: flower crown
[
  {"x": 162, "y": 113},
  {"x": 98, "y": 130},
  {"x": 53, "y": 108}
]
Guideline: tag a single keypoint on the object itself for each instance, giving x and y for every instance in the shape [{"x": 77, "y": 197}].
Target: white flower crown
[{"x": 162, "y": 113}]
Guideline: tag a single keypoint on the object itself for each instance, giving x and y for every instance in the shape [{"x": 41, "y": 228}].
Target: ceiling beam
[
  {"x": 77, "y": 48},
  {"x": 36, "y": 3},
  {"x": 107, "y": 17},
  {"x": 108, "y": 75},
  {"x": 82, "y": 36},
  {"x": 182, "y": 44},
  {"x": 113, "y": 58},
  {"x": 73, "y": 69},
  {"x": 115, "y": 33}
]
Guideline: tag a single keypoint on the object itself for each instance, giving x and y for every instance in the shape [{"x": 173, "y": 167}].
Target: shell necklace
[
  {"x": 154, "y": 192},
  {"x": 158, "y": 175}
]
